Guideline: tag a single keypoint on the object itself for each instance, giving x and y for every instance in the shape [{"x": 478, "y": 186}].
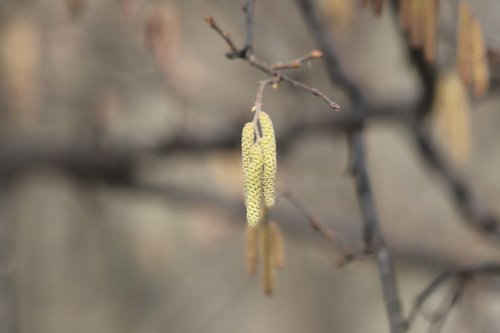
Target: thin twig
[
  {"x": 297, "y": 63},
  {"x": 425, "y": 294},
  {"x": 329, "y": 235},
  {"x": 448, "y": 303},
  {"x": 210, "y": 20},
  {"x": 315, "y": 225},
  {"x": 253, "y": 61},
  {"x": 257, "y": 106}
]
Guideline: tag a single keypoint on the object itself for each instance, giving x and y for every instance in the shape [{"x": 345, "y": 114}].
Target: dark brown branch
[
  {"x": 247, "y": 48},
  {"x": 249, "y": 10},
  {"x": 373, "y": 237},
  {"x": 479, "y": 217}
]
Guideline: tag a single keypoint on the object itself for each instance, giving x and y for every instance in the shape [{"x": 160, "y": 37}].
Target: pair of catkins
[{"x": 259, "y": 166}]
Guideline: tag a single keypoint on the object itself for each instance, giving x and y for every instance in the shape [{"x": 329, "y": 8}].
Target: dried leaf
[
  {"x": 162, "y": 35},
  {"x": 478, "y": 59},
  {"x": 404, "y": 14},
  {"x": 453, "y": 115},
  {"x": 19, "y": 61},
  {"x": 339, "y": 11},
  {"x": 378, "y": 6},
  {"x": 416, "y": 23},
  {"x": 75, "y": 7},
  {"x": 463, "y": 43}
]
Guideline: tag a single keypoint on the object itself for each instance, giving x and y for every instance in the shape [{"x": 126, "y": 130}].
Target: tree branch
[
  {"x": 253, "y": 61},
  {"x": 373, "y": 237}
]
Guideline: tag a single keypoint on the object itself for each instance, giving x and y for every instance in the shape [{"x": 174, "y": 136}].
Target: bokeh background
[{"x": 157, "y": 245}]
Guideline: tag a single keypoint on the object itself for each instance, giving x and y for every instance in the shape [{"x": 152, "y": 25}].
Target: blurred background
[{"x": 121, "y": 201}]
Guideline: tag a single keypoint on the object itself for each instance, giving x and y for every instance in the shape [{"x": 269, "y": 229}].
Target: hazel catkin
[
  {"x": 247, "y": 141},
  {"x": 268, "y": 144},
  {"x": 253, "y": 185}
]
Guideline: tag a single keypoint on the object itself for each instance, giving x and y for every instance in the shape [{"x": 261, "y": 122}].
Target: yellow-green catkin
[
  {"x": 253, "y": 185},
  {"x": 268, "y": 144},
  {"x": 247, "y": 141}
]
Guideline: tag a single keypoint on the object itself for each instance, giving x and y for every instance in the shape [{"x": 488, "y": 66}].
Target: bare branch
[
  {"x": 253, "y": 61},
  {"x": 211, "y": 22},
  {"x": 294, "y": 64}
]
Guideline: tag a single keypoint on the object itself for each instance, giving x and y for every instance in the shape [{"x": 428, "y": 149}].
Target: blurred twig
[
  {"x": 463, "y": 275},
  {"x": 315, "y": 225},
  {"x": 329, "y": 235},
  {"x": 448, "y": 303}
]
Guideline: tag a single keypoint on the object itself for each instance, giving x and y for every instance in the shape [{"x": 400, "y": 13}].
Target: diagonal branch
[
  {"x": 346, "y": 257},
  {"x": 479, "y": 217}
]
